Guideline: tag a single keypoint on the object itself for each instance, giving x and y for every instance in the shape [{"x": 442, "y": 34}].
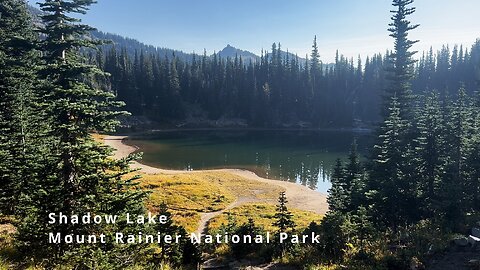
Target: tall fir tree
[
  {"x": 22, "y": 131},
  {"x": 82, "y": 177},
  {"x": 400, "y": 69},
  {"x": 354, "y": 179},
  {"x": 387, "y": 183},
  {"x": 337, "y": 199},
  {"x": 167, "y": 251},
  {"x": 283, "y": 217},
  {"x": 284, "y": 224},
  {"x": 315, "y": 65},
  {"x": 391, "y": 181},
  {"x": 431, "y": 152},
  {"x": 454, "y": 199}
]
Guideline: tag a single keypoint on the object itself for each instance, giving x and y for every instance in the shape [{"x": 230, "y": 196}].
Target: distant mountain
[
  {"x": 247, "y": 56},
  {"x": 133, "y": 45},
  {"x": 232, "y": 52}
]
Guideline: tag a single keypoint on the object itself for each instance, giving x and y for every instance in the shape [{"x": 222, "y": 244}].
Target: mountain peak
[{"x": 230, "y": 51}]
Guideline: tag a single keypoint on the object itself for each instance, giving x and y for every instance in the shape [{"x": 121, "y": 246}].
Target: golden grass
[
  {"x": 98, "y": 137},
  {"x": 242, "y": 186},
  {"x": 188, "y": 195},
  {"x": 190, "y": 192},
  {"x": 263, "y": 215},
  {"x": 188, "y": 219}
]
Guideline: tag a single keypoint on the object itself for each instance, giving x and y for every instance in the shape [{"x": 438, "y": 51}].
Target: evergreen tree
[
  {"x": 315, "y": 64},
  {"x": 354, "y": 179},
  {"x": 473, "y": 159},
  {"x": 388, "y": 186},
  {"x": 23, "y": 140},
  {"x": 347, "y": 184},
  {"x": 242, "y": 249},
  {"x": 392, "y": 184},
  {"x": 283, "y": 217},
  {"x": 364, "y": 229},
  {"x": 171, "y": 253},
  {"x": 284, "y": 224},
  {"x": 431, "y": 143},
  {"x": 337, "y": 198},
  {"x": 455, "y": 202},
  {"x": 401, "y": 62},
  {"x": 81, "y": 176},
  {"x": 336, "y": 232}
]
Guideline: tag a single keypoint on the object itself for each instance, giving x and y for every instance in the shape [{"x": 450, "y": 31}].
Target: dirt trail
[{"x": 206, "y": 217}]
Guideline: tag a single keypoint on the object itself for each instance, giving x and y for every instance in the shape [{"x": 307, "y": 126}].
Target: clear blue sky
[{"x": 352, "y": 26}]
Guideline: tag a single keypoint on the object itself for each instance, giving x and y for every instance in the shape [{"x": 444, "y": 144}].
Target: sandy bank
[{"x": 299, "y": 197}]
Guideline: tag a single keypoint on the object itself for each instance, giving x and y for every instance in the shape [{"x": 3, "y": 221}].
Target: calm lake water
[{"x": 305, "y": 157}]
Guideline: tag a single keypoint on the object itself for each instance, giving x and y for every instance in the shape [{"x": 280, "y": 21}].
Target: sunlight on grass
[
  {"x": 263, "y": 215},
  {"x": 186, "y": 192},
  {"x": 188, "y": 195}
]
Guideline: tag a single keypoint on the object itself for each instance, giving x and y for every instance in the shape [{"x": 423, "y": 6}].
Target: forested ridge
[{"x": 277, "y": 90}]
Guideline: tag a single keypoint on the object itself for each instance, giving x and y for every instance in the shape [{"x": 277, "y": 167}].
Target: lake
[{"x": 304, "y": 157}]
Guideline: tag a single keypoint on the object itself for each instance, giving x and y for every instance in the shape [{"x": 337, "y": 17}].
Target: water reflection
[
  {"x": 304, "y": 157},
  {"x": 310, "y": 175}
]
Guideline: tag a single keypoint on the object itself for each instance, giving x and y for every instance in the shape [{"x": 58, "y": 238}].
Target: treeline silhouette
[{"x": 276, "y": 91}]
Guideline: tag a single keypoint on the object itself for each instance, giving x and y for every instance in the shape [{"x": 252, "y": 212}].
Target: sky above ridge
[{"x": 354, "y": 27}]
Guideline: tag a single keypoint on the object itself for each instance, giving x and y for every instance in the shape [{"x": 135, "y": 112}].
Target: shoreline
[
  {"x": 299, "y": 197},
  {"x": 149, "y": 132}
]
